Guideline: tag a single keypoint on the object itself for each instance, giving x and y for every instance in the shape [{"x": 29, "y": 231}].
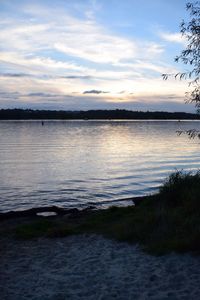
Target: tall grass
[
  {"x": 169, "y": 221},
  {"x": 182, "y": 189}
]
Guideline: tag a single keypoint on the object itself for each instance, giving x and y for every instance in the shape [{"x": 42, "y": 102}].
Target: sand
[{"x": 92, "y": 267}]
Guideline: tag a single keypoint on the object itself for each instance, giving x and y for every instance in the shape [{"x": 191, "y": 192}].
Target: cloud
[
  {"x": 95, "y": 92},
  {"x": 158, "y": 103},
  {"x": 152, "y": 49},
  {"x": 173, "y": 37},
  {"x": 173, "y": 96},
  {"x": 68, "y": 35},
  {"x": 48, "y": 54},
  {"x": 147, "y": 64},
  {"x": 21, "y": 75},
  {"x": 100, "y": 47},
  {"x": 9, "y": 95},
  {"x": 16, "y": 75},
  {"x": 25, "y": 42},
  {"x": 122, "y": 92},
  {"x": 46, "y": 95},
  {"x": 39, "y": 63},
  {"x": 76, "y": 77},
  {"x": 51, "y": 68},
  {"x": 41, "y": 95}
]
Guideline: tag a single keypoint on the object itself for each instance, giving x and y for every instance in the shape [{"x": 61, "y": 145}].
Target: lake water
[{"x": 80, "y": 163}]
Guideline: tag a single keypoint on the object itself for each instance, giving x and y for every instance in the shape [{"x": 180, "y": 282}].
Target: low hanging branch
[
  {"x": 191, "y": 56},
  {"x": 192, "y": 133}
]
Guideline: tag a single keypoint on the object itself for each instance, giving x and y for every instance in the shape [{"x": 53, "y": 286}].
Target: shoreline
[
  {"x": 61, "y": 211},
  {"x": 161, "y": 223}
]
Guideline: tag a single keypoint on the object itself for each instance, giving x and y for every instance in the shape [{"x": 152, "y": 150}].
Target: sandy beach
[{"x": 92, "y": 267}]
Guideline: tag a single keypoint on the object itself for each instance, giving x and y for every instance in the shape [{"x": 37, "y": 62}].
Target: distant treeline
[{"x": 27, "y": 114}]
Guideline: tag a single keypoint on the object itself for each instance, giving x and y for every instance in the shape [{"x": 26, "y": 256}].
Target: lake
[{"x": 81, "y": 163}]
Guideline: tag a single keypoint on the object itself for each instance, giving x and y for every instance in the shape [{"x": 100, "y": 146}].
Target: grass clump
[
  {"x": 181, "y": 189},
  {"x": 43, "y": 228},
  {"x": 168, "y": 221},
  {"x": 33, "y": 229}
]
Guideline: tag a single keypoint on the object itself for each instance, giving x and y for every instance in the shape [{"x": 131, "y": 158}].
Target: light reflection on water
[{"x": 73, "y": 163}]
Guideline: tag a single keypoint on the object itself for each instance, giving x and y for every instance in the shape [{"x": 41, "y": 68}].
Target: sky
[{"x": 92, "y": 54}]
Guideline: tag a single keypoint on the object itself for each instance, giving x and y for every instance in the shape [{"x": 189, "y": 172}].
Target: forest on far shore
[{"x": 119, "y": 114}]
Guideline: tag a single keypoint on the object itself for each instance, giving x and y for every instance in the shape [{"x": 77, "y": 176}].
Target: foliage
[
  {"x": 191, "y": 54},
  {"x": 29, "y": 114},
  {"x": 181, "y": 187},
  {"x": 170, "y": 221}
]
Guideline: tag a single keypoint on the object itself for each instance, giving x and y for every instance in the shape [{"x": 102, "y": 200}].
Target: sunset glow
[{"x": 91, "y": 54}]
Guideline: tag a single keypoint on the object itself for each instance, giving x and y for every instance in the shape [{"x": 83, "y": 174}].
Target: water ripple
[{"x": 71, "y": 164}]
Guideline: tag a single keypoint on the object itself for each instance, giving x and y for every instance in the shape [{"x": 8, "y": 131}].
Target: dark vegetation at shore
[
  {"x": 27, "y": 114},
  {"x": 167, "y": 221}
]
